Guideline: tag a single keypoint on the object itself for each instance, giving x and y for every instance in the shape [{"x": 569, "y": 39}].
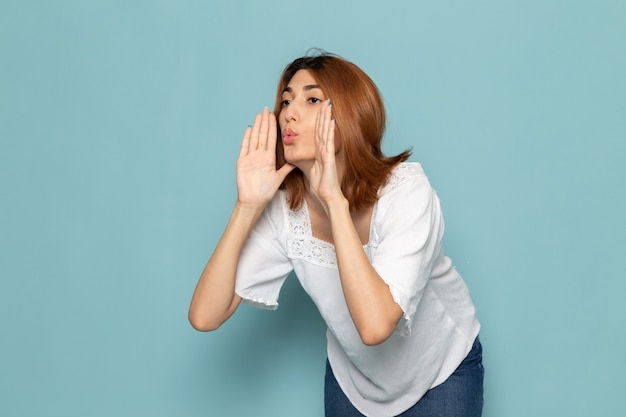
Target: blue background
[{"x": 120, "y": 123}]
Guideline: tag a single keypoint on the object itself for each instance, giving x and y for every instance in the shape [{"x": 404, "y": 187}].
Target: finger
[
  {"x": 331, "y": 136},
  {"x": 245, "y": 142},
  {"x": 319, "y": 124},
  {"x": 263, "y": 132},
  {"x": 318, "y": 130},
  {"x": 254, "y": 136},
  {"x": 272, "y": 135},
  {"x": 319, "y": 136},
  {"x": 326, "y": 125}
]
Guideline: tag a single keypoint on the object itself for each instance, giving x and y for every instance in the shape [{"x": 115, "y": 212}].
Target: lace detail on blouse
[{"x": 302, "y": 245}]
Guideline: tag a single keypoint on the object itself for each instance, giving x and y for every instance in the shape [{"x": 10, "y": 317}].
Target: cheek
[{"x": 310, "y": 120}]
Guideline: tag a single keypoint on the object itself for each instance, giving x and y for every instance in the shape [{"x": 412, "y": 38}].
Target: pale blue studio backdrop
[{"x": 120, "y": 124}]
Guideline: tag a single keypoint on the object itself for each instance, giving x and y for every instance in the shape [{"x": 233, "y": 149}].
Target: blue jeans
[{"x": 461, "y": 395}]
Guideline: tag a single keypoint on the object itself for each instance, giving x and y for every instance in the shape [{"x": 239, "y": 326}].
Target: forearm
[
  {"x": 371, "y": 305},
  {"x": 214, "y": 299}
]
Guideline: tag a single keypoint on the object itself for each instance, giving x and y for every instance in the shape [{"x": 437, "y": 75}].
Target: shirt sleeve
[
  {"x": 409, "y": 233},
  {"x": 263, "y": 264}
]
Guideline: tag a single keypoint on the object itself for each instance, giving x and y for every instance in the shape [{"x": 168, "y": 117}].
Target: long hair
[{"x": 360, "y": 115}]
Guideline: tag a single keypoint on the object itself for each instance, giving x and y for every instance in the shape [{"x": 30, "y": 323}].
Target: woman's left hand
[{"x": 324, "y": 177}]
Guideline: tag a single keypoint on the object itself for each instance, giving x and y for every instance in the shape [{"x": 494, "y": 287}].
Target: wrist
[
  {"x": 249, "y": 209},
  {"x": 337, "y": 205}
]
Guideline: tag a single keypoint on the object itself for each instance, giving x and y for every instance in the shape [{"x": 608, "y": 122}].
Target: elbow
[
  {"x": 376, "y": 335},
  {"x": 376, "y": 329},
  {"x": 203, "y": 324},
  {"x": 206, "y": 318}
]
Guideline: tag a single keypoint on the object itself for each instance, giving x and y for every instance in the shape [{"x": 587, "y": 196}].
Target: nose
[{"x": 291, "y": 112}]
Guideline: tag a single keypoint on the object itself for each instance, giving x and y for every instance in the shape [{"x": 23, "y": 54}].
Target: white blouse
[{"x": 439, "y": 323}]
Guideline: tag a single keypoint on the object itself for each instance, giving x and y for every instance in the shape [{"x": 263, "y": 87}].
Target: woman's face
[{"x": 301, "y": 101}]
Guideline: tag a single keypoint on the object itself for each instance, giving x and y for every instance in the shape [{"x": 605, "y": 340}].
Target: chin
[{"x": 298, "y": 160}]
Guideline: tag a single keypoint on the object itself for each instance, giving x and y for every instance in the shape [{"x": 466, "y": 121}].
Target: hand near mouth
[
  {"x": 257, "y": 177},
  {"x": 324, "y": 179}
]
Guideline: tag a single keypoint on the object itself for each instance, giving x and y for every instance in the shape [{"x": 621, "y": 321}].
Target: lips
[{"x": 289, "y": 136}]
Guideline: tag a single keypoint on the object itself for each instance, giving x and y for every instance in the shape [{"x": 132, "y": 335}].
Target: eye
[
  {"x": 314, "y": 100},
  {"x": 285, "y": 103}
]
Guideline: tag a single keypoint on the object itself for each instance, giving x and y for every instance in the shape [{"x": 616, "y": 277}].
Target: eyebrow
[{"x": 305, "y": 88}]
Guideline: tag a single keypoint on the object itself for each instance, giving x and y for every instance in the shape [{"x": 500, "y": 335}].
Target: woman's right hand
[
  {"x": 214, "y": 299},
  {"x": 257, "y": 177}
]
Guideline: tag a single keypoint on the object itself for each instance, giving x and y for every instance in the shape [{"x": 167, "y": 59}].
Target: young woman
[{"x": 363, "y": 234}]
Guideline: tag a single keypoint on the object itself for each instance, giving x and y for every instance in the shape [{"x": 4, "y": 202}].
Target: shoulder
[
  {"x": 407, "y": 192},
  {"x": 408, "y": 207},
  {"x": 404, "y": 175},
  {"x": 273, "y": 219},
  {"x": 278, "y": 208},
  {"x": 278, "y": 204}
]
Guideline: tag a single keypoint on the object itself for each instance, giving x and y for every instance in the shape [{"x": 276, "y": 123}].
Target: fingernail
[{"x": 329, "y": 104}]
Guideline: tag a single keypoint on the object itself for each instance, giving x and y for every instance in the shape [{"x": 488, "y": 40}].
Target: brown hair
[{"x": 360, "y": 114}]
